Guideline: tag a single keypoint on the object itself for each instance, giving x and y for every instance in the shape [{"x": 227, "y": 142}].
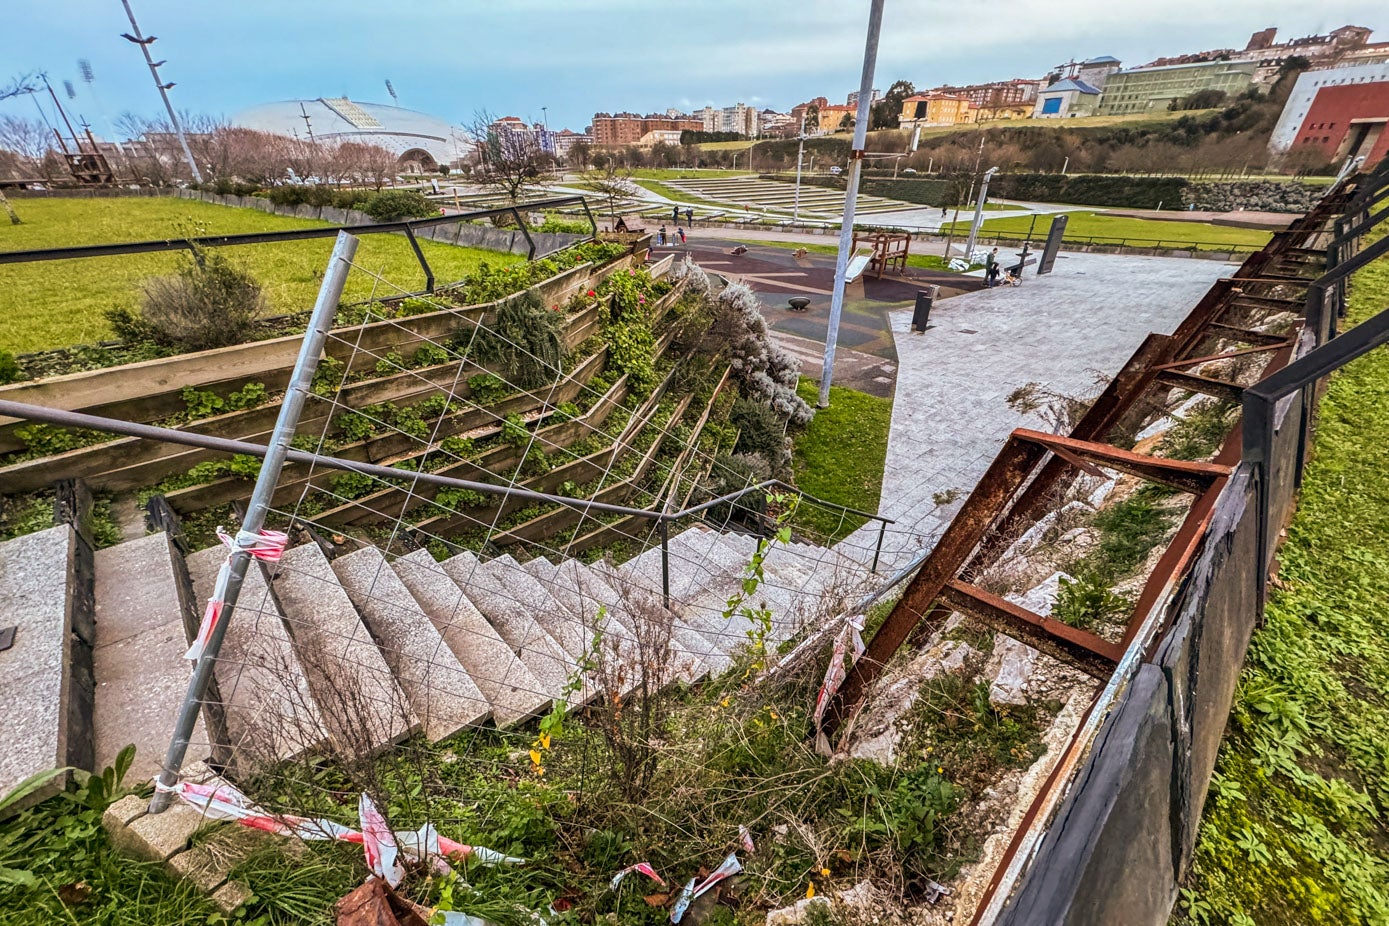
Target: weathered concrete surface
[
  {"x": 950, "y": 414},
  {"x": 509, "y": 686},
  {"x": 141, "y": 675},
  {"x": 270, "y": 713},
  {"x": 362, "y": 705},
  {"x": 439, "y": 690},
  {"x": 36, "y": 572}
]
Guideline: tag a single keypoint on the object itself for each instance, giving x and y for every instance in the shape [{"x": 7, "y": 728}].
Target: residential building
[
  {"x": 565, "y": 141},
  {"x": 799, "y": 112},
  {"x": 832, "y": 119},
  {"x": 777, "y": 125},
  {"x": 1341, "y": 112},
  {"x": 1066, "y": 98},
  {"x": 852, "y": 99},
  {"x": 618, "y": 129},
  {"x": 1346, "y": 45},
  {"x": 659, "y": 137},
  {"x": 1001, "y": 99},
  {"x": 1147, "y": 89},
  {"x": 928, "y": 109},
  {"x": 516, "y": 139},
  {"x": 1000, "y": 112}
]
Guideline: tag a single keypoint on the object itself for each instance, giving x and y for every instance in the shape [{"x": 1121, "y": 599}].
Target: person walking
[
  {"x": 675, "y": 216},
  {"x": 689, "y": 217},
  {"x": 661, "y": 236},
  {"x": 991, "y": 268}
]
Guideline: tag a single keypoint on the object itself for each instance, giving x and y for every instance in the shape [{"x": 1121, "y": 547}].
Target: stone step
[
  {"x": 572, "y": 630},
  {"x": 270, "y": 715},
  {"x": 545, "y": 658},
  {"x": 46, "y": 674},
  {"x": 439, "y": 689},
  {"x": 361, "y": 704},
  {"x": 141, "y": 675},
  {"x": 707, "y": 625},
  {"x": 509, "y": 686}
]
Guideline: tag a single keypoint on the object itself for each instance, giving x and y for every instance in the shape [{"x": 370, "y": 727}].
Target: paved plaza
[{"x": 950, "y": 417}]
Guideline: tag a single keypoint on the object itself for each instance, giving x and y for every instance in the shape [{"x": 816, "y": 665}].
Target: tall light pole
[
  {"x": 800, "y": 152},
  {"x": 145, "y": 44},
  {"x": 846, "y": 228}
]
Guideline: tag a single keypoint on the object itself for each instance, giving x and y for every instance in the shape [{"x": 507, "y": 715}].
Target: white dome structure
[{"x": 418, "y": 140}]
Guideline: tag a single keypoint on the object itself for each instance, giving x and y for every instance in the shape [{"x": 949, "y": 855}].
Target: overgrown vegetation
[
  {"x": 209, "y": 303},
  {"x": 1294, "y": 830}
]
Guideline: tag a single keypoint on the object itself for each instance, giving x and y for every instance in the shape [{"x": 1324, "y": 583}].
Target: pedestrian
[
  {"x": 991, "y": 268},
  {"x": 661, "y": 236},
  {"x": 689, "y": 216},
  {"x": 675, "y": 215},
  {"x": 681, "y": 233},
  {"x": 942, "y": 212}
]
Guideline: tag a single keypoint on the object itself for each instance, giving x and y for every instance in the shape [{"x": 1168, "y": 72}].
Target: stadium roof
[{"x": 338, "y": 119}]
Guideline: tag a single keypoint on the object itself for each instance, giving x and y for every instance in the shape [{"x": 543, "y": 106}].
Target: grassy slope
[
  {"x": 1091, "y": 224},
  {"x": 840, "y": 455},
  {"x": 924, "y": 261},
  {"x": 1294, "y": 830},
  {"x": 702, "y": 173},
  {"x": 59, "y": 303}
]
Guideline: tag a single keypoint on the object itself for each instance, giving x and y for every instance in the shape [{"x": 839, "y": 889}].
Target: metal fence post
[
  {"x": 878, "y": 551},
  {"x": 665, "y": 561},
  {"x": 301, "y": 383}
]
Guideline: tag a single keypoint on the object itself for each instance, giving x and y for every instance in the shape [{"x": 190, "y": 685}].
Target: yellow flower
[
  {"x": 772, "y": 712},
  {"x": 535, "y": 757},
  {"x": 940, "y": 769},
  {"x": 825, "y": 872},
  {"x": 810, "y": 891},
  {"x": 544, "y": 741}
]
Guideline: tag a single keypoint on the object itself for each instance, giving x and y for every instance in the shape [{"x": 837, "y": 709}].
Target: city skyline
[{"x": 770, "y": 61}]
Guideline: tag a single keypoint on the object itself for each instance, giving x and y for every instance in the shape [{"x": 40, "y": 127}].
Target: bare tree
[
  {"x": 610, "y": 179},
  {"x": 506, "y": 158},
  {"x": 28, "y": 139}
]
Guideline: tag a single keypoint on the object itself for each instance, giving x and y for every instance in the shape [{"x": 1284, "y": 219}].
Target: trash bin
[{"x": 921, "y": 315}]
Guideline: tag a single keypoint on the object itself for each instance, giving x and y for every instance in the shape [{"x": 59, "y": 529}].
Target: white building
[
  {"x": 739, "y": 118},
  {"x": 1069, "y": 97},
  {"x": 1305, "y": 91}
]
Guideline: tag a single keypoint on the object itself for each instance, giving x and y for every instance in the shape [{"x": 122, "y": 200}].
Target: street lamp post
[
  {"x": 979, "y": 211},
  {"x": 800, "y": 151},
  {"x": 846, "y": 228},
  {"x": 145, "y": 43}
]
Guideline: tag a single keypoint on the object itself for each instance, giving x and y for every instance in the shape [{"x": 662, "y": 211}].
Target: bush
[
  {"x": 9, "y": 369},
  {"x": 762, "y": 432},
  {"x": 208, "y": 303},
  {"x": 391, "y": 205},
  {"x": 765, "y": 371},
  {"x": 526, "y": 340}
]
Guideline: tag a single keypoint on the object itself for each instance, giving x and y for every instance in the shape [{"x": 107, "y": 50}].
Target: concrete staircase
[{"x": 359, "y": 652}]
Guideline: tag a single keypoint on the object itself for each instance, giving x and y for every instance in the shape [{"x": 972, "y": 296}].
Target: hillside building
[
  {"x": 1066, "y": 98},
  {"x": 932, "y": 109},
  {"x": 617, "y": 130},
  {"x": 1149, "y": 89},
  {"x": 1341, "y": 112}
]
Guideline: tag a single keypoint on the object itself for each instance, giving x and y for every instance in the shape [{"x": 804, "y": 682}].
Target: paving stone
[
  {"x": 230, "y": 896},
  {"x": 37, "y": 673},
  {"x": 198, "y": 866},
  {"x": 361, "y": 704},
  {"x": 509, "y": 686},
  {"x": 157, "y": 836},
  {"x": 141, "y": 675},
  {"x": 123, "y": 811},
  {"x": 440, "y": 691},
  {"x": 542, "y": 655},
  {"x": 270, "y": 714}
]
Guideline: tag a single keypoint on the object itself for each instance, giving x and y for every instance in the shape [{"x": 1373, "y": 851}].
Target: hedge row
[{"x": 1091, "y": 190}]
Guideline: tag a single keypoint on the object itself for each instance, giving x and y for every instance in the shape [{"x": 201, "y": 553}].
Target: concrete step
[
  {"x": 361, "y": 704},
  {"x": 439, "y": 689},
  {"x": 46, "y": 674},
  {"x": 141, "y": 675},
  {"x": 514, "y": 693},
  {"x": 545, "y": 658},
  {"x": 699, "y": 631},
  {"x": 270, "y": 714},
  {"x": 572, "y": 630}
]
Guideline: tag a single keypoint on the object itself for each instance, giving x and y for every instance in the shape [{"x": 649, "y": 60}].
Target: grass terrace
[
  {"x": 1113, "y": 229},
  {"x": 61, "y": 303},
  {"x": 840, "y": 455}
]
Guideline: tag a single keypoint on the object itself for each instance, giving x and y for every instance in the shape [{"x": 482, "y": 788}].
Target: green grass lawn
[
  {"x": 60, "y": 303},
  {"x": 924, "y": 261},
  {"x": 1294, "y": 829},
  {"x": 699, "y": 173},
  {"x": 840, "y": 455},
  {"x": 1146, "y": 232}
]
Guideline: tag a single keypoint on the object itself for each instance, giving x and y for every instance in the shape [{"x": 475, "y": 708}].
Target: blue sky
[{"x": 511, "y": 57}]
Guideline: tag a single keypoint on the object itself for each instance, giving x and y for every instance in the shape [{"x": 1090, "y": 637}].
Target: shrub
[
  {"x": 9, "y": 369},
  {"x": 762, "y": 432},
  {"x": 456, "y": 498},
  {"x": 208, "y": 303},
  {"x": 526, "y": 340},
  {"x": 486, "y": 388},
  {"x": 429, "y": 355},
  {"x": 764, "y": 370},
  {"x": 457, "y": 446},
  {"x": 1088, "y": 601},
  {"x": 565, "y": 411},
  {"x": 390, "y": 205},
  {"x": 250, "y": 395},
  {"x": 631, "y": 350}
]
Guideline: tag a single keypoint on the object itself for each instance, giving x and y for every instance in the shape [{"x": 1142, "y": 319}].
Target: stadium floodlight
[{"x": 145, "y": 43}]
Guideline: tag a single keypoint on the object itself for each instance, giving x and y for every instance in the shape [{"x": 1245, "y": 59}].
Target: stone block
[
  {"x": 199, "y": 866},
  {"x": 155, "y": 837},
  {"x": 353, "y": 686},
  {"x": 123, "y": 811},
  {"x": 230, "y": 896},
  {"x": 439, "y": 690},
  {"x": 514, "y": 693}
]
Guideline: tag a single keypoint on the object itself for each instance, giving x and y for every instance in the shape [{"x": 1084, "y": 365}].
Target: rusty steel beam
[
  {"x": 1216, "y": 388},
  {"x": 1078, "y": 648},
  {"x": 1259, "y": 338},
  {"x": 1014, "y": 462},
  {"x": 1184, "y": 475},
  {"x": 1228, "y": 355}
]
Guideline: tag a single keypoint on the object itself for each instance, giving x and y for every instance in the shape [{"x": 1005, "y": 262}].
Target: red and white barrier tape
[
  {"x": 266, "y": 546},
  {"x": 850, "y": 634}
]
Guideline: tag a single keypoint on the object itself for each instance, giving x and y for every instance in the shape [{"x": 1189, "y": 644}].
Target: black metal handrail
[
  {"x": 71, "y": 419},
  {"x": 406, "y": 226}
]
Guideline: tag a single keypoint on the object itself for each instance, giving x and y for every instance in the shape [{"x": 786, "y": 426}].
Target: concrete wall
[{"x": 1124, "y": 836}]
